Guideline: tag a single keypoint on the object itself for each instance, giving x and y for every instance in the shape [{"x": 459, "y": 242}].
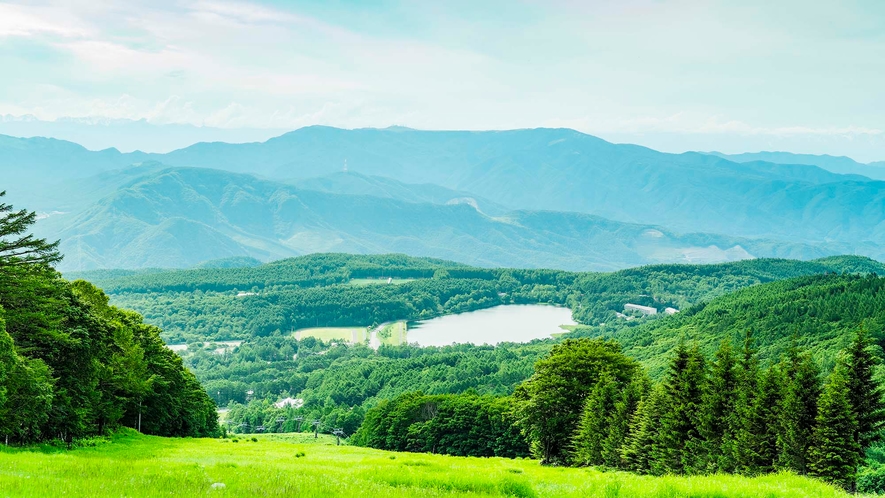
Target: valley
[{"x": 442, "y": 249}]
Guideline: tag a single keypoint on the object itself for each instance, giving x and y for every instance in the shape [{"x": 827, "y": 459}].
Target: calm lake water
[{"x": 510, "y": 323}]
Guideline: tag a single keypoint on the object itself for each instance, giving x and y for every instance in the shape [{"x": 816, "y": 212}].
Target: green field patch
[
  {"x": 346, "y": 334},
  {"x": 139, "y": 466},
  {"x": 393, "y": 334}
]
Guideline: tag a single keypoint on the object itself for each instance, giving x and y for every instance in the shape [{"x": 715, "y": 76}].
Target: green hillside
[{"x": 821, "y": 311}]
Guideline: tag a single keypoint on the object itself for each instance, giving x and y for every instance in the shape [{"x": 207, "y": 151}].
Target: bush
[{"x": 871, "y": 480}]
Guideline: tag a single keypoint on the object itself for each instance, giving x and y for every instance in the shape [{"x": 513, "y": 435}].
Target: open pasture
[
  {"x": 347, "y": 334},
  {"x": 133, "y": 465}
]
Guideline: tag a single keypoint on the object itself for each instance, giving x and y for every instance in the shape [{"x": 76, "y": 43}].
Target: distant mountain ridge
[
  {"x": 536, "y": 170},
  {"x": 180, "y": 217},
  {"x": 836, "y": 164}
]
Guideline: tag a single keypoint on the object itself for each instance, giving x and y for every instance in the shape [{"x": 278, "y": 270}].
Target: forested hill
[
  {"x": 73, "y": 366},
  {"x": 238, "y": 303},
  {"x": 819, "y": 312}
]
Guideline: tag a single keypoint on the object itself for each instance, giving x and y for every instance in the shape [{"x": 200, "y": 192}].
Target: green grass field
[
  {"x": 349, "y": 334},
  {"x": 393, "y": 334},
  {"x": 132, "y": 465}
]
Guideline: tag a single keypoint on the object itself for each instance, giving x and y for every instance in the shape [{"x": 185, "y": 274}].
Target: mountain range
[
  {"x": 181, "y": 217},
  {"x": 541, "y": 197}
]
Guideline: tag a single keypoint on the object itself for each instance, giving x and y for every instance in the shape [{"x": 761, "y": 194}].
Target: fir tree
[
  {"x": 680, "y": 444},
  {"x": 719, "y": 423},
  {"x": 864, "y": 393},
  {"x": 835, "y": 453},
  {"x": 760, "y": 438},
  {"x": 596, "y": 422},
  {"x": 619, "y": 424},
  {"x": 798, "y": 410},
  {"x": 639, "y": 451},
  {"x": 738, "y": 445},
  {"x": 17, "y": 247}
]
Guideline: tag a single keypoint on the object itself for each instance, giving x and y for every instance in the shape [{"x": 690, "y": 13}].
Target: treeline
[
  {"x": 589, "y": 404},
  {"x": 73, "y": 366},
  {"x": 201, "y": 316},
  {"x": 203, "y": 304},
  {"x": 450, "y": 424},
  {"x": 820, "y": 309},
  {"x": 600, "y": 295},
  {"x": 337, "y": 385}
]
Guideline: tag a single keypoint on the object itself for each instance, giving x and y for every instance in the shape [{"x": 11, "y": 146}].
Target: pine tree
[
  {"x": 596, "y": 422},
  {"x": 17, "y": 247},
  {"x": 680, "y": 443},
  {"x": 835, "y": 454},
  {"x": 739, "y": 445},
  {"x": 619, "y": 424},
  {"x": 864, "y": 393},
  {"x": 719, "y": 423},
  {"x": 639, "y": 450},
  {"x": 760, "y": 437},
  {"x": 798, "y": 410}
]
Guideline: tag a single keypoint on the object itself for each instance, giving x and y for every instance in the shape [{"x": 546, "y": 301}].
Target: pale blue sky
[{"x": 806, "y": 76}]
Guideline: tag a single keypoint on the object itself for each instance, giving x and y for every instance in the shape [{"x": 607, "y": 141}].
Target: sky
[{"x": 733, "y": 76}]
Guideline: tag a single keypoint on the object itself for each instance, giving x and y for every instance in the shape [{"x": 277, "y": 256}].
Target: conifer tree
[
  {"x": 619, "y": 424},
  {"x": 748, "y": 384},
  {"x": 864, "y": 393},
  {"x": 17, "y": 246},
  {"x": 835, "y": 453},
  {"x": 595, "y": 422},
  {"x": 680, "y": 443},
  {"x": 719, "y": 422},
  {"x": 760, "y": 438},
  {"x": 798, "y": 410},
  {"x": 639, "y": 451}
]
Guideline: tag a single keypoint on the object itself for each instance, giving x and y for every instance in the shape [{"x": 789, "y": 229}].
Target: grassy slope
[{"x": 142, "y": 466}]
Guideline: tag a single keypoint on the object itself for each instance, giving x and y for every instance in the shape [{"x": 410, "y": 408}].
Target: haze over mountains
[{"x": 541, "y": 197}]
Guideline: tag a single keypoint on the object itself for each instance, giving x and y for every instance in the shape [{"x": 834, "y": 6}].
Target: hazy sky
[{"x": 807, "y": 76}]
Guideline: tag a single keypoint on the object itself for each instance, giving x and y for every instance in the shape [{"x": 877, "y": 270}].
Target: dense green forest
[
  {"x": 343, "y": 383},
  {"x": 587, "y": 403},
  {"x": 71, "y": 365},
  {"x": 339, "y": 382},
  {"x": 317, "y": 290},
  {"x": 818, "y": 309}
]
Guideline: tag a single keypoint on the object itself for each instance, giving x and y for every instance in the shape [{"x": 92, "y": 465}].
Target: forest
[
  {"x": 318, "y": 291},
  {"x": 73, "y": 366},
  {"x": 588, "y": 404}
]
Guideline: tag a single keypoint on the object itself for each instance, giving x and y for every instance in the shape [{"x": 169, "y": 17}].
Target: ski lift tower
[{"x": 338, "y": 435}]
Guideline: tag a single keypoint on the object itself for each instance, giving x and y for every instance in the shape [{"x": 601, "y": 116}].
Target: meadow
[
  {"x": 348, "y": 334},
  {"x": 132, "y": 465}
]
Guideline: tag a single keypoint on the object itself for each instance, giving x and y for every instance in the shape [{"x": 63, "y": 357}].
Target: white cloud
[{"x": 24, "y": 21}]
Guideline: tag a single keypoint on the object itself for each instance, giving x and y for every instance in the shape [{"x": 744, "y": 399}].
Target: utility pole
[
  {"x": 280, "y": 422},
  {"x": 299, "y": 419},
  {"x": 316, "y": 429}
]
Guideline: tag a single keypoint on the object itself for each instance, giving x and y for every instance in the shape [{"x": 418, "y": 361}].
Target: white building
[{"x": 645, "y": 310}]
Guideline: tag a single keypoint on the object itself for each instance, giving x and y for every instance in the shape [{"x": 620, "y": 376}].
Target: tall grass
[{"x": 132, "y": 465}]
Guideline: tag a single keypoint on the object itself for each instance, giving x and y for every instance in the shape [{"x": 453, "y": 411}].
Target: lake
[{"x": 509, "y": 323}]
